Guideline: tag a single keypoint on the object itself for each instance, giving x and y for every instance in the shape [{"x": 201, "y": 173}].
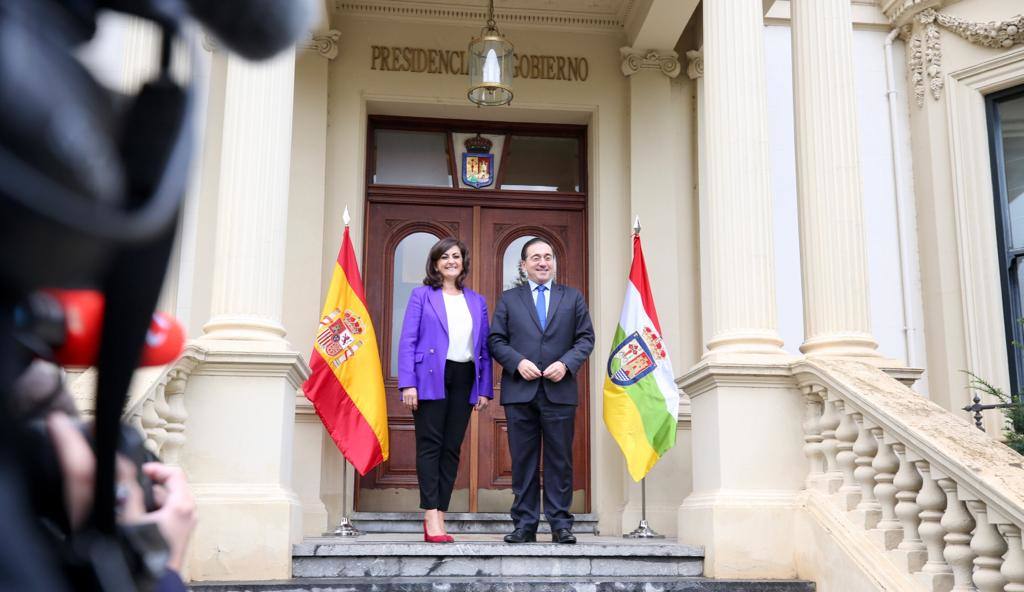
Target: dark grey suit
[{"x": 541, "y": 410}]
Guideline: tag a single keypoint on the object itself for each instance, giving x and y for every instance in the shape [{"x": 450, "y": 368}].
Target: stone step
[
  {"x": 457, "y": 522},
  {"x": 505, "y": 584},
  {"x": 488, "y": 556}
]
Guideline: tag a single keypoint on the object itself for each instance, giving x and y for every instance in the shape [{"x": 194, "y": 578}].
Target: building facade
[{"x": 815, "y": 180}]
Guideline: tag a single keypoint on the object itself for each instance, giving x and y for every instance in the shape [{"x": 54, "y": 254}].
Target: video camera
[{"x": 91, "y": 184}]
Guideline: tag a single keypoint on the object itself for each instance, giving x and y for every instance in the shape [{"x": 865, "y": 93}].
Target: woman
[{"x": 444, "y": 371}]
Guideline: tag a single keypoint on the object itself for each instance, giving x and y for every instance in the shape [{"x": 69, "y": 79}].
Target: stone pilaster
[
  {"x": 833, "y": 256},
  {"x": 252, "y": 208},
  {"x": 738, "y": 196}
]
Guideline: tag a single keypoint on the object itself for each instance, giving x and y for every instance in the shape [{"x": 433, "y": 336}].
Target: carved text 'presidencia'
[{"x": 453, "y": 61}]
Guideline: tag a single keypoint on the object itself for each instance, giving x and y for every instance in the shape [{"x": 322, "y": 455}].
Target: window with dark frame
[
  {"x": 1005, "y": 111},
  {"x": 431, "y": 154}
]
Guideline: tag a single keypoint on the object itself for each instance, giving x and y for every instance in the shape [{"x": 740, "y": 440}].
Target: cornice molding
[
  {"x": 924, "y": 57},
  {"x": 695, "y": 63},
  {"x": 467, "y": 15},
  {"x": 635, "y": 60},
  {"x": 901, "y": 12}
]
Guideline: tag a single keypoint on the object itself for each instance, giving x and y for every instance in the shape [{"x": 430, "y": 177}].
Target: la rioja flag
[{"x": 641, "y": 403}]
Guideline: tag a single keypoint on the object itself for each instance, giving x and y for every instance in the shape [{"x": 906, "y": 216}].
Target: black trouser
[
  {"x": 440, "y": 427},
  {"x": 530, "y": 425}
]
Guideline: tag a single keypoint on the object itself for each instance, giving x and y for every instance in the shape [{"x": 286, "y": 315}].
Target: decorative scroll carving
[
  {"x": 633, "y": 61},
  {"x": 695, "y": 63},
  {"x": 1001, "y": 35}
]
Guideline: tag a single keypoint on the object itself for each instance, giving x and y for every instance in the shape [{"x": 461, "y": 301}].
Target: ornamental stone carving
[
  {"x": 924, "y": 58},
  {"x": 695, "y": 63},
  {"x": 634, "y": 60}
]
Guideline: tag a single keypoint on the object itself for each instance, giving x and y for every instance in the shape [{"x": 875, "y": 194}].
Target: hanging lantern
[{"x": 491, "y": 62}]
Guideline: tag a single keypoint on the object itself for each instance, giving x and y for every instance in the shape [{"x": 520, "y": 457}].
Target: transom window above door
[{"x": 475, "y": 156}]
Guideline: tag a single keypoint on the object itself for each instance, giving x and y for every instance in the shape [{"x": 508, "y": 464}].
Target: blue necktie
[{"x": 542, "y": 308}]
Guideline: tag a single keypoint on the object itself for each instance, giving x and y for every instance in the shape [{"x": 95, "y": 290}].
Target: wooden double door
[{"x": 399, "y": 235}]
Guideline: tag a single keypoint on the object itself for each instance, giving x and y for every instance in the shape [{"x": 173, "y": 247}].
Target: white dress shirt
[
  {"x": 547, "y": 293},
  {"x": 460, "y": 328}
]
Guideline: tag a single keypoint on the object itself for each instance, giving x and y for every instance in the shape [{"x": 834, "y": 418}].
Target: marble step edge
[
  {"x": 509, "y": 584},
  {"x": 328, "y": 547},
  {"x": 460, "y": 526}
]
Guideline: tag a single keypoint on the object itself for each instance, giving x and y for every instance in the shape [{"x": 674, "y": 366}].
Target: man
[{"x": 541, "y": 335}]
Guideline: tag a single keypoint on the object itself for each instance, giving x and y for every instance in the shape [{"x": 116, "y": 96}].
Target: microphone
[
  {"x": 83, "y": 323},
  {"x": 256, "y": 29}
]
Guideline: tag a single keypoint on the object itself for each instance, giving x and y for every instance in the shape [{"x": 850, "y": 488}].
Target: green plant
[{"x": 1014, "y": 432}]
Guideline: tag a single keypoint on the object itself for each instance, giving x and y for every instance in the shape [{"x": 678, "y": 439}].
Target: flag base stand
[
  {"x": 643, "y": 531},
  {"x": 345, "y": 529}
]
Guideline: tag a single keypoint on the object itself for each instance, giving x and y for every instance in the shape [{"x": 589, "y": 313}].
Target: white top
[{"x": 460, "y": 328}]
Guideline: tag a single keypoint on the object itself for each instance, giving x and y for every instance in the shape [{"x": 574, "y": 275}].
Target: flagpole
[
  {"x": 345, "y": 527},
  {"x": 643, "y": 530}
]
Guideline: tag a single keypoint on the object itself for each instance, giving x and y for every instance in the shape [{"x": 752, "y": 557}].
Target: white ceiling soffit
[
  {"x": 583, "y": 15},
  {"x": 657, "y": 24}
]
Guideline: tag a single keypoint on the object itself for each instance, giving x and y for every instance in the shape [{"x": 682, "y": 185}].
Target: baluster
[
  {"x": 865, "y": 447},
  {"x": 1013, "y": 562},
  {"x": 828, "y": 422},
  {"x": 908, "y": 483},
  {"x": 150, "y": 424},
  {"x": 885, "y": 465},
  {"x": 160, "y": 406},
  {"x": 846, "y": 458},
  {"x": 812, "y": 436},
  {"x": 932, "y": 501},
  {"x": 176, "y": 416},
  {"x": 958, "y": 524},
  {"x": 989, "y": 547}
]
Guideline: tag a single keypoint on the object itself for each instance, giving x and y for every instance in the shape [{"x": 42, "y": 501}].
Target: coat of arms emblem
[
  {"x": 478, "y": 162},
  {"x": 338, "y": 335},
  {"x": 636, "y": 357}
]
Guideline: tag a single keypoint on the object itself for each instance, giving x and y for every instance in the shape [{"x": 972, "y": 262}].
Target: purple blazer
[{"x": 423, "y": 347}]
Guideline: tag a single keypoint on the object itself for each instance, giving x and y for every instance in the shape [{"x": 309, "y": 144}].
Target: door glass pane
[
  {"x": 411, "y": 158},
  {"x": 410, "y": 266},
  {"x": 512, "y": 272},
  {"x": 1011, "y": 124},
  {"x": 540, "y": 163}
]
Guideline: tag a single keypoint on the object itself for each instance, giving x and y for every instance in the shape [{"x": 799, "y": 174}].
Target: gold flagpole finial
[
  {"x": 636, "y": 225},
  {"x": 346, "y": 217}
]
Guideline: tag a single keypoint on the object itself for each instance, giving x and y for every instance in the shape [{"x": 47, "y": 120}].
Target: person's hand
[
  {"x": 528, "y": 370},
  {"x": 176, "y": 516},
  {"x": 77, "y": 465},
  {"x": 556, "y": 371},
  {"x": 481, "y": 403},
  {"x": 411, "y": 398}
]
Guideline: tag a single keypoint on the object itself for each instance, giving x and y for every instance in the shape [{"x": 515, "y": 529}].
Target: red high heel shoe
[{"x": 440, "y": 538}]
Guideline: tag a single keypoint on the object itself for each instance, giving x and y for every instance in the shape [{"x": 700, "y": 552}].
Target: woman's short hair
[{"x": 433, "y": 277}]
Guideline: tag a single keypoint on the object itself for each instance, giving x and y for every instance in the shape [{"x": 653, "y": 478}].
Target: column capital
[
  {"x": 695, "y": 63},
  {"x": 325, "y": 43},
  {"x": 634, "y": 60}
]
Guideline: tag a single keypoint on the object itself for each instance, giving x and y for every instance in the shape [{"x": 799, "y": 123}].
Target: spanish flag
[
  {"x": 641, "y": 401},
  {"x": 347, "y": 384}
]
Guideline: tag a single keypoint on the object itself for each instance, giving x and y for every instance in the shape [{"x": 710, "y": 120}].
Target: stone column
[
  {"x": 241, "y": 396},
  {"x": 833, "y": 258},
  {"x": 252, "y": 207},
  {"x": 742, "y": 394},
  {"x": 740, "y": 256}
]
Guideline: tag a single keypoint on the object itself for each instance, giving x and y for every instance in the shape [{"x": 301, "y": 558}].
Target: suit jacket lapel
[
  {"x": 557, "y": 291},
  {"x": 527, "y": 296},
  {"x": 437, "y": 301}
]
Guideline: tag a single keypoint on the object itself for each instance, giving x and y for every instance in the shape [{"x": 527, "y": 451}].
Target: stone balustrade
[
  {"x": 156, "y": 405},
  {"x": 941, "y": 499}
]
